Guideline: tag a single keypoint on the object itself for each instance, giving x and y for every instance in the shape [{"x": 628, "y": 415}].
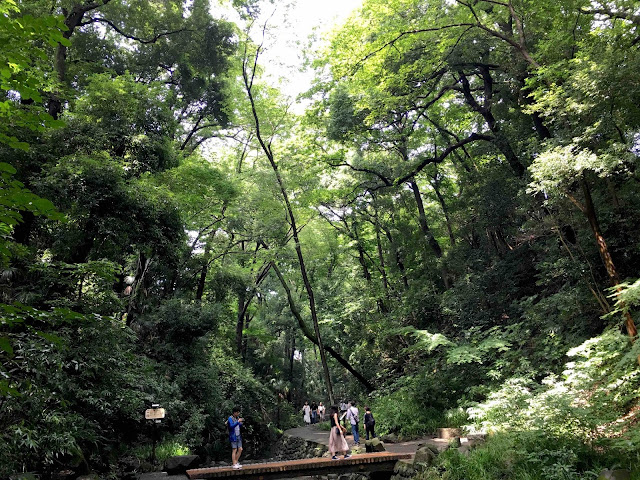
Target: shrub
[{"x": 566, "y": 427}]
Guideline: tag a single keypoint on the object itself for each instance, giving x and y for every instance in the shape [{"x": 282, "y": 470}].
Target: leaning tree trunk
[
  {"x": 248, "y": 82},
  {"x": 309, "y": 334},
  {"x": 500, "y": 140},
  {"x": 436, "y": 187},
  {"x": 426, "y": 231},
  {"x": 614, "y": 278}
]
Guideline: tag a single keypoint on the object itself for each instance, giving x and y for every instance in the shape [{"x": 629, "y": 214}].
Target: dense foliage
[{"x": 449, "y": 233}]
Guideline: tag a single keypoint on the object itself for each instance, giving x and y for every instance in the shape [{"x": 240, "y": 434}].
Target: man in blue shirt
[{"x": 234, "y": 422}]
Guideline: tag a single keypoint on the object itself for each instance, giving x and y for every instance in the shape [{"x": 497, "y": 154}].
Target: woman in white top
[
  {"x": 306, "y": 410},
  {"x": 321, "y": 411}
]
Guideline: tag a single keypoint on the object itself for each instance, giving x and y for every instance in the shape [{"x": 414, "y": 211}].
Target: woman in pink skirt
[{"x": 337, "y": 443}]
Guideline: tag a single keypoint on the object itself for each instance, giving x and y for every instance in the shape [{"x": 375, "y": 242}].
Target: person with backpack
[
  {"x": 354, "y": 419},
  {"x": 369, "y": 423},
  {"x": 234, "y": 422}
]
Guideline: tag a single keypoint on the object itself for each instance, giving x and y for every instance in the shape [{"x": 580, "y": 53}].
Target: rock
[
  {"x": 154, "y": 476},
  {"x": 24, "y": 476},
  {"x": 447, "y": 433},
  {"x": 129, "y": 464},
  {"x": 374, "y": 445},
  {"x": 425, "y": 456},
  {"x": 464, "y": 449},
  {"x": 404, "y": 468},
  {"x": 389, "y": 438},
  {"x": 181, "y": 463},
  {"x": 619, "y": 474},
  {"x": 91, "y": 476}
]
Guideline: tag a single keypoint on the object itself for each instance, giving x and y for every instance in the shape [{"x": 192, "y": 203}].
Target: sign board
[{"x": 154, "y": 413}]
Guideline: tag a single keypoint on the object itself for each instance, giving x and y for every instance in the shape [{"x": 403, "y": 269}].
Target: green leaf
[
  {"x": 5, "y": 167},
  {"x": 5, "y": 345}
]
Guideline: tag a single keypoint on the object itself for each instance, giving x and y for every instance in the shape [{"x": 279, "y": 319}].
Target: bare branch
[
  {"x": 385, "y": 180},
  {"x": 622, "y": 15},
  {"x": 440, "y": 158},
  {"x": 133, "y": 37}
]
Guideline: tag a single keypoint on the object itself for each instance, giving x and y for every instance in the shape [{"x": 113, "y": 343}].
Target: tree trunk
[
  {"x": 383, "y": 267},
  {"x": 398, "y": 257},
  {"x": 294, "y": 229},
  {"x": 141, "y": 271},
  {"x": 590, "y": 212},
  {"x": 292, "y": 356},
  {"x": 436, "y": 187},
  {"x": 422, "y": 217},
  {"x": 240, "y": 320},
  {"x": 245, "y": 338},
  {"x": 309, "y": 334},
  {"x": 426, "y": 231},
  {"x": 500, "y": 140},
  {"x": 203, "y": 273}
]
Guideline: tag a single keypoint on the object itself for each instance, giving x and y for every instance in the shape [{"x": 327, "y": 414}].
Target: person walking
[
  {"x": 234, "y": 422},
  {"x": 343, "y": 412},
  {"x": 337, "y": 443},
  {"x": 354, "y": 419},
  {"x": 306, "y": 411},
  {"x": 321, "y": 411},
  {"x": 314, "y": 413},
  {"x": 369, "y": 423}
]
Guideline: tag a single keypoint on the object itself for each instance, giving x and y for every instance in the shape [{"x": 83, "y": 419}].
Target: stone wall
[
  {"x": 295, "y": 448},
  {"x": 343, "y": 476}
]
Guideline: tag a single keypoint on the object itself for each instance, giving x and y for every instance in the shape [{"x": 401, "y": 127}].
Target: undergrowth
[{"x": 565, "y": 427}]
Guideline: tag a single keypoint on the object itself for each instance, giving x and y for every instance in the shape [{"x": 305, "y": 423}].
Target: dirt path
[{"x": 313, "y": 434}]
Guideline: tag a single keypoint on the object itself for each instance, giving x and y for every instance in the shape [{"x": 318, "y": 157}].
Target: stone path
[{"x": 313, "y": 434}]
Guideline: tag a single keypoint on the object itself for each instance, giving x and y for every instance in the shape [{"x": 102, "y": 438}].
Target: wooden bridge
[{"x": 379, "y": 464}]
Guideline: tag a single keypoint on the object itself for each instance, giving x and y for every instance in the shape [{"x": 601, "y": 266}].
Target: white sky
[{"x": 290, "y": 24}]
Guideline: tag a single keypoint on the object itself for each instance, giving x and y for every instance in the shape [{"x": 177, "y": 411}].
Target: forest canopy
[{"x": 445, "y": 226}]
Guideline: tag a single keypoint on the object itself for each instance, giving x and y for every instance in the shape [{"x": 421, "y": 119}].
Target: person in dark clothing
[
  {"x": 314, "y": 412},
  {"x": 369, "y": 423}
]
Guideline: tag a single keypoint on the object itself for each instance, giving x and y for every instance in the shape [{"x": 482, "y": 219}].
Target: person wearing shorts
[{"x": 234, "y": 422}]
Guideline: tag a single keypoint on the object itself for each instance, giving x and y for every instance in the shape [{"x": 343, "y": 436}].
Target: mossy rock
[
  {"x": 404, "y": 468},
  {"x": 424, "y": 456},
  {"x": 619, "y": 474},
  {"x": 374, "y": 445}
]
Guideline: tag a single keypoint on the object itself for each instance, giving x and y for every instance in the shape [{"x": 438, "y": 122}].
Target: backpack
[{"x": 372, "y": 421}]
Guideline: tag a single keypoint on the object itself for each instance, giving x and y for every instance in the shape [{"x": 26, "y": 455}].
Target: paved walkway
[{"x": 313, "y": 434}]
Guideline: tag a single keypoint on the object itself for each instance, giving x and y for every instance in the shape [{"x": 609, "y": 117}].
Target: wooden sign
[{"x": 154, "y": 413}]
